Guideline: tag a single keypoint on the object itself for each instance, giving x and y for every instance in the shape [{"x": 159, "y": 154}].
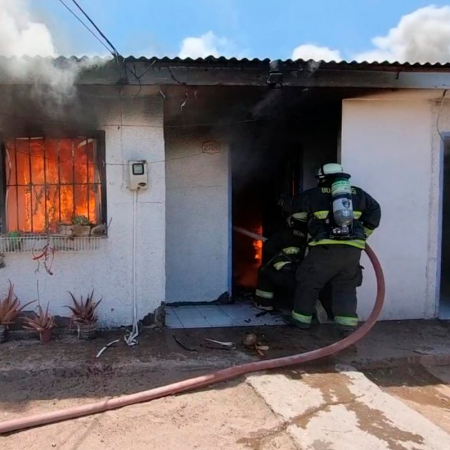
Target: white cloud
[
  {"x": 19, "y": 34},
  {"x": 206, "y": 45},
  {"x": 316, "y": 52},
  {"x": 421, "y": 36}
]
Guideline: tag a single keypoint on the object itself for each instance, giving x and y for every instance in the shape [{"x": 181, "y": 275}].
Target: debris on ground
[
  {"x": 106, "y": 347},
  {"x": 251, "y": 341},
  {"x": 224, "y": 299},
  {"x": 224, "y": 344},
  {"x": 260, "y": 349},
  {"x": 182, "y": 345}
]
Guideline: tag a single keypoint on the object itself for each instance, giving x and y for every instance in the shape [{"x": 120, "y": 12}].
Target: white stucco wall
[
  {"x": 391, "y": 148},
  {"x": 109, "y": 270},
  {"x": 198, "y": 235}
]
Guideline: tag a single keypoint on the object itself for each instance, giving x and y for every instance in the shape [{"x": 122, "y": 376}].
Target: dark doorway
[
  {"x": 270, "y": 158},
  {"x": 266, "y": 162},
  {"x": 444, "y": 304}
]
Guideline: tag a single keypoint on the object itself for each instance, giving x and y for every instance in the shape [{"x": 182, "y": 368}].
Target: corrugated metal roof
[
  {"x": 202, "y": 61},
  {"x": 373, "y": 64},
  {"x": 245, "y": 62},
  {"x": 289, "y": 62},
  {"x": 212, "y": 71}
]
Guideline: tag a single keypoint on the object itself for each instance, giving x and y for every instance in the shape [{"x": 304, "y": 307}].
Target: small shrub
[
  {"x": 10, "y": 307},
  {"x": 84, "y": 311}
]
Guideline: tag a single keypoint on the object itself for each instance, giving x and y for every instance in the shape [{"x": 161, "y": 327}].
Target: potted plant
[
  {"x": 43, "y": 323},
  {"x": 10, "y": 308},
  {"x": 84, "y": 315},
  {"x": 65, "y": 229},
  {"x": 81, "y": 226},
  {"x": 14, "y": 242}
]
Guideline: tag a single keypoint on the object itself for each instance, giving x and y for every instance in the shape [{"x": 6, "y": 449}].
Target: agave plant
[
  {"x": 10, "y": 307},
  {"x": 84, "y": 311},
  {"x": 42, "y": 321}
]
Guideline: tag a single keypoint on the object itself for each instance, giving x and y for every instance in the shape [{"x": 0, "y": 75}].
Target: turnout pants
[
  {"x": 270, "y": 280},
  {"x": 338, "y": 265}
]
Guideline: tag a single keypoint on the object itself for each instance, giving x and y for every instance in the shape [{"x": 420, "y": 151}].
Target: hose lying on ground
[{"x": 215, "y": 377}]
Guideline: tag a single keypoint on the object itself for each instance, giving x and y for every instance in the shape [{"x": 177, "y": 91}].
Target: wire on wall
[
  {"x": 190, "y": 125},
  {"x": 131, "y": 337}
]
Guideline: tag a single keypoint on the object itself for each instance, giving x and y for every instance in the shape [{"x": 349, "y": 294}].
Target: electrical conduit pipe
[{"x": 215, "y": 377}]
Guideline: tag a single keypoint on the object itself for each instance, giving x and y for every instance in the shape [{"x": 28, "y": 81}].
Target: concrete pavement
[{"x": 344, "y": 410}]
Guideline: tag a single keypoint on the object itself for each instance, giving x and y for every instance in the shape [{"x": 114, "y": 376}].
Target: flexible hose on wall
[
  {"x": 131, "y": 338},
  {"x": 215, "y": 377}
]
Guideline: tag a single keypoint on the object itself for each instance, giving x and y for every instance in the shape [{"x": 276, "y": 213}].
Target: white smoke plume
[
  {"x": 421, "y": 36},
  {"x": 30, "y": 48},
  {"x": 19, "y": 34}
]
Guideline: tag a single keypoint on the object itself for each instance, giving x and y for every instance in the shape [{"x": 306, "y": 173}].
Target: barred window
[{"x": 48, "y": 181}]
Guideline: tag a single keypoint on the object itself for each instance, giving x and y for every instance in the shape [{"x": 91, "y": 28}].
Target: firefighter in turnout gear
[
  {"x": 339, "y": 218},
  {"x": 282, "y": 254}
]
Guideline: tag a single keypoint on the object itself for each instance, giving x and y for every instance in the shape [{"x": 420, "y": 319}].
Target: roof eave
[{"x": 213, "y": 71}]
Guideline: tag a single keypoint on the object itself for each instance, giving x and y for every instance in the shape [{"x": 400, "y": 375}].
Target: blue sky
[{"x": 252, "y": 28}]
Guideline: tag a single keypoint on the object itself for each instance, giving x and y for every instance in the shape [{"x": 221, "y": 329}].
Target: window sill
[{"x": 35, "y": 243}]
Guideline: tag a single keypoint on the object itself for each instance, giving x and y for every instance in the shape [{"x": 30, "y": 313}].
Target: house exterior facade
[{"x": 172, "y": 242}]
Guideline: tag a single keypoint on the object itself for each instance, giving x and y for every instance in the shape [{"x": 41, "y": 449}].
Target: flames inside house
[
  {"x": 49, "y": 181},
  {"x": 264, "y": 166}
]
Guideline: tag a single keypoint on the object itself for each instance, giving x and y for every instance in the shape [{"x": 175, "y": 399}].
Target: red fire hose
[{"x": 215, "y": 377}]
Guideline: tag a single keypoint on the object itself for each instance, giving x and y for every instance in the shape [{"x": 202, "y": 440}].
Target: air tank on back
[{"x": 341, "y": 197}]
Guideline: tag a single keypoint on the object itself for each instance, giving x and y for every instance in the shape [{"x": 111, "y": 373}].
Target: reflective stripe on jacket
[
  {"x": 285, "y": 247},
  {"x": 313, "y": 208}
]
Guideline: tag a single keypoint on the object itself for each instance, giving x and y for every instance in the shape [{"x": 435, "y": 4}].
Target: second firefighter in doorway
[
  {"x": 339, "y": 218},
  {"x": 282, "y": 255}
]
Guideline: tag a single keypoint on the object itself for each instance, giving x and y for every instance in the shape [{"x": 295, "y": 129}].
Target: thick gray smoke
[{"x": 422, "y": 36}]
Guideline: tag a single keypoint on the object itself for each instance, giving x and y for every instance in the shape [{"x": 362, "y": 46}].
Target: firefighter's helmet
[{"x": 329, "y": 169}]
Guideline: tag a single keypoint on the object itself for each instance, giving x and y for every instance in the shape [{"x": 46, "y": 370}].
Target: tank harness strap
[{"x": 358, "y": 243}]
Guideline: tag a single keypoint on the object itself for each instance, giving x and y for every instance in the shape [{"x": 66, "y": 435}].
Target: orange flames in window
[{"x": 49, "y": 181}]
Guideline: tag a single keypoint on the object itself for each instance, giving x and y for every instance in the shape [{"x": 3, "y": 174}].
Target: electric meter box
[{"x": 138, "y": 175}]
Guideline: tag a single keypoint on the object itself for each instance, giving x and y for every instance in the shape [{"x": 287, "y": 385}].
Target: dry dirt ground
[
  {"x": 225, "y": 417},
  {"x": 400, "y": 406},
  {"x": 322, "y": 408}
]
